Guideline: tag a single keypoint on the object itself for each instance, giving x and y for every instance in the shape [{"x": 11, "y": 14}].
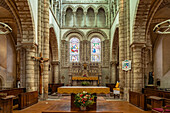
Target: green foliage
[
  {"x": 84, "y": 99},
  {"x": 85, "y": 83}
]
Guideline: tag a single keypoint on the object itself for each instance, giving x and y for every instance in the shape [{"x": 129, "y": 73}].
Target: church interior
[{"x": 84, "y": 56}]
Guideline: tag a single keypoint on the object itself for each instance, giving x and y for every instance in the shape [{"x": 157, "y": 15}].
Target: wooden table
[
  {"x": 157, "y": 102},
  {"x": 73, "y": 90}
]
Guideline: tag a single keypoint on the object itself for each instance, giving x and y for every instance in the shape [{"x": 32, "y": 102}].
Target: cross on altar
[{"x": 41, "y": 61}]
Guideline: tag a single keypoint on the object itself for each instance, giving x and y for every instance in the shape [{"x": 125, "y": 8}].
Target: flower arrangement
[
  {"x": 85, "y": 83},
  {"x": 84, "y": 99}
]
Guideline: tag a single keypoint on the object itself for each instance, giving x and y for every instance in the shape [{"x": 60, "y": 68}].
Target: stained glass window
[
  {"x": 95, "y": 50},
  {"x": 74, "y": 49}
]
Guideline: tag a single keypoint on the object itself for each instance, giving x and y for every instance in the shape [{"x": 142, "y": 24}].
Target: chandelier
[
  {"x": 163, "y": 27},
  {"x": 4, "y": 29}
]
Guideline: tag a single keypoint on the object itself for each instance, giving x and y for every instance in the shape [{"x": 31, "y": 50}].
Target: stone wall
[
  {"x": 85, "y": 50},
  {"x": 7, "y": 62}
]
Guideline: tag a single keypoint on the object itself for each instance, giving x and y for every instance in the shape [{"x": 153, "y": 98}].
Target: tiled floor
[{"x": 63, "y": 104}]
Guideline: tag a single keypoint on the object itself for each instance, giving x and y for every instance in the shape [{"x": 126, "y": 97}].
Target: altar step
[{"x": 81, "y": 112}]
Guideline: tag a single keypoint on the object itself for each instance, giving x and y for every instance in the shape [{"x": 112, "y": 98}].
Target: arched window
[
  {"x": 95, "y": 49},
  {"x": 74, "y": 49}
]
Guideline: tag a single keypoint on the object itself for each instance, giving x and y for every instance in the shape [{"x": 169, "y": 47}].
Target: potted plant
[
  {"x": 82, "y": 100},
  {"x": 85, "y": 83}
]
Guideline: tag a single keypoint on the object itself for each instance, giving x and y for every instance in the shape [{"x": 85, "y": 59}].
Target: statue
[
  {"x": 41, "y": 61},
  {"x": 150, "y": 78}
]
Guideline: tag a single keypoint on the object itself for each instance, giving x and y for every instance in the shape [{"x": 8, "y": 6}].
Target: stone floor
[{"x": 63, "y": 104}]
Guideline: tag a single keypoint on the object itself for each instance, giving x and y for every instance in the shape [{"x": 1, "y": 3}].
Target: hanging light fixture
[
  {"x": 4, "y": 29},
  {"x": 163, "y": 27}
]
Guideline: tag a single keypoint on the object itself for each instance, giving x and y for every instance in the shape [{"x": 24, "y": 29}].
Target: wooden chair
[
  {"x": 116, "y": 90},
  {"x": 165, "y": 109}
]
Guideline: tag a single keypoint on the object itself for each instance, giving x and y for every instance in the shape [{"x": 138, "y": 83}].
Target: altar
[
  {"x": 79, "y": 89},
  {"x": 73, "y": 90},
  {"x": 77, "y": 81},
  {"x": 89, "y": 72}
]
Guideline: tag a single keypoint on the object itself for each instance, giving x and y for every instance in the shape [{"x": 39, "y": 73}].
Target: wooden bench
[
  {"x": 138, "y": 99},
  {"x": 15, "y": 92},
  {"x": 157, "y": 93},
  {"x": 53, "y": 87},
  {"x": 22, "y": 98},
  {"x": 27, "y": 99},
  {"x": 6, "y": 104}
]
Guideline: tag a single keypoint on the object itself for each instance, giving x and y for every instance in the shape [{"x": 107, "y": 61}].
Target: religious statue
[
  {"x": 150, "y": 78},
  {"x": 41, "y": 61}
]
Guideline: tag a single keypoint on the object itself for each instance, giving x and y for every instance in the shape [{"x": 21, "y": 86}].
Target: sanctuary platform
[
  {"x": 65, "y": 107},
  {"x": 73, "y": 90}
]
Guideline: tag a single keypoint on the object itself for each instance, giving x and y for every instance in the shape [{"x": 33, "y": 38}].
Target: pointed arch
[
  {"x": 102, "y": 6},
  {"x": 25, "y": 17},
  {"x": 68, "y": 6},
  {"x": 80, "y": 6},
  {"x": 54, "y": 45},
  {"x": 90, "y": 6}
]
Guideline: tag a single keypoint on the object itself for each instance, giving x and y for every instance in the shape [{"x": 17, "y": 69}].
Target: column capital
[
  {"x": 64, "y": 13},
  {"x": 95, "y": 12},
  {"x": 55, "y": 62},
  {"x": 84, "y": 13},
  {"x": 27, "y": 45},
  {"x": 113, "y": 62},
  {"x": 85, "y": 41},
  {"x": 63, "y": 40},
  {"x": 74, "y": 12},
  {"x": 138, "y": 45}
]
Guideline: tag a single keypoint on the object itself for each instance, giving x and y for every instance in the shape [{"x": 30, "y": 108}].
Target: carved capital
[
  {"x": 55, "y": 63},
  {"x": 113, "y": 63},
  {"x": 29, "y": 45},
  {"x": 138, "y": 45}
]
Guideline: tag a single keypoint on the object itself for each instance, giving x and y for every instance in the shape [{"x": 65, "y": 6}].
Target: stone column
[
  {"x": 113, "y": 71},
  {"x": 85, "y": 13},
  {"x": 122, "y": 37},
  {"x": 30, "y": 65},
  {"x": 56, "y": 71},
  {"x": 107, "y": 55},
  {"x": 64, "y": 19},
  {"x": 46, "y": 48},
  {"x": 74, "y": 19},
  {"x": 106, "y": 18},
  {"x": 95, "y": 21},
  {"x": 23, "y": 67},
  {"x": 137, "y": 69},
  {"x": 85, "y": 50}
]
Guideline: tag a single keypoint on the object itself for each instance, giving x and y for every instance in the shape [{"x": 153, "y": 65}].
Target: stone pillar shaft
[
  {"x": 106, "y": 18},
  {"x": 46, "y": 48},
  {"x": 64, "y": 18},
  {"x": 137, "y": 68},
  {"x": 113, "y": 72},
  {"x": 95, "y": 21},
  {"x": 30, "y": 69},
  {"x": 85, "y": 13},
  {"x": 56, "y": 71},
  {"x": 74, "y": 19},
  {"x": 121, "y": 46}
]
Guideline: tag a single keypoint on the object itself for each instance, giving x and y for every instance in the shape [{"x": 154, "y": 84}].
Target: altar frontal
[{"x": 79, "y": 89}]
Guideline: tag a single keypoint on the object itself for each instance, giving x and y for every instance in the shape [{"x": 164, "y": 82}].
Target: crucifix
[{"x": 41, "y": 65}]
